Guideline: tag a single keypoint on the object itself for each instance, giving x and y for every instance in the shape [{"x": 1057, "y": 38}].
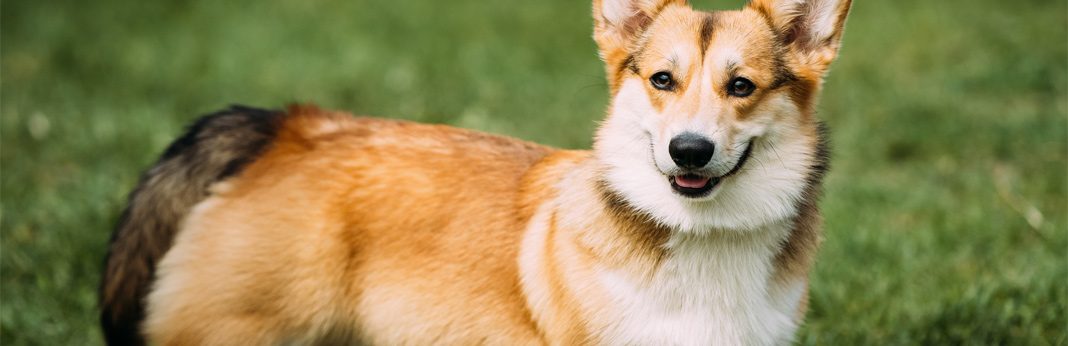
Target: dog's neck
[{"x": 631, "y": 280}]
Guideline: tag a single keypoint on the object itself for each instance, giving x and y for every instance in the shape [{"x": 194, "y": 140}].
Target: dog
[{"x": 693, "y": 220}]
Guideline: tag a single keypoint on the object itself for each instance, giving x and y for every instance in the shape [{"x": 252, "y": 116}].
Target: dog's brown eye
[
  {"x": 662, "y": 81},
  {"x": 740, "y": 87}
]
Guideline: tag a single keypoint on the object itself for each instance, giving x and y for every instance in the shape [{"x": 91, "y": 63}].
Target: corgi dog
[{"x": 692, "y": 221}]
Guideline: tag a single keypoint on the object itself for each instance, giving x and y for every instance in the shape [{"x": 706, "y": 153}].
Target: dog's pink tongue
[{"x": 691, "y": 181}]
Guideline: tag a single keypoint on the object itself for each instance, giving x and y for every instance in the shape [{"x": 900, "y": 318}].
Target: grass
[{"x": 946, "y": 211}]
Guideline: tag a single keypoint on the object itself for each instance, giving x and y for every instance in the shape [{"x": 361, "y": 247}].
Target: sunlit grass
[{"x": 946, "y": 204}]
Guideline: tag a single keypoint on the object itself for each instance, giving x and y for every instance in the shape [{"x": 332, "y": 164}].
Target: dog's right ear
[{"x": 617, "y": 23}]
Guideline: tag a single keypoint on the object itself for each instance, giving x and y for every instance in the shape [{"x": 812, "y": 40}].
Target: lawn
[{"x": 946, "y": 208}]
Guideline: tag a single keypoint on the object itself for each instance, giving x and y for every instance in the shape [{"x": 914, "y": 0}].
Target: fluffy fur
[{"x": 338, "y": 229}]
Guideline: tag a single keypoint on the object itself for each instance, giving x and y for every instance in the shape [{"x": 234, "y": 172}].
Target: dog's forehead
[{"x": 682, "y": 34}]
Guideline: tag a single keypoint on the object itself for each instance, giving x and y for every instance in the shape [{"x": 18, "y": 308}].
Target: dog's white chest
[{"x": 704, "y": 294}]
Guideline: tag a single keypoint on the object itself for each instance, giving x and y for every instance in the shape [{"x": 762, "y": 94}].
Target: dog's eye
[
  {"x": 662, "y": 81},
  {"x": 740, "y": 87}
]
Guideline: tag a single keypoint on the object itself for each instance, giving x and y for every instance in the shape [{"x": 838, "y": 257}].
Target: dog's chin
[{"x": 694, "y": 185}]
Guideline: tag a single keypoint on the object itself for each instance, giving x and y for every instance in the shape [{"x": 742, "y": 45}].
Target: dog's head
[{"x": 711, "y": 123}]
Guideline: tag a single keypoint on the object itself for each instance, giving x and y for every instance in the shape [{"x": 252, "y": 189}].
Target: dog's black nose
[{"x": 690, "y": 150}]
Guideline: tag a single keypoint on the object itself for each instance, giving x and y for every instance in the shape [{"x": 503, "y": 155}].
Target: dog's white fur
[{"x": 696, "y": 296}]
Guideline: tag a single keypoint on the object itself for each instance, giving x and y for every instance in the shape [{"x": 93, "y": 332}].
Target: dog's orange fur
[{"x": 333, "y": 224}]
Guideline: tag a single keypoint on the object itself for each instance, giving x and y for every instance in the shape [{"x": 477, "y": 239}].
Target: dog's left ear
[{"x": 811, "y": 28}]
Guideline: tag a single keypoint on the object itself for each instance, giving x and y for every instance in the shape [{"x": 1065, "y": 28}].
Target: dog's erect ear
[
  {"x": 616, "y": 23},
  {"x": 811, "y": 28}
]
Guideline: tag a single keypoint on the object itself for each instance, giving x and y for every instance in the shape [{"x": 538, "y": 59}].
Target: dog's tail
[{"x": 217, "y": 146}]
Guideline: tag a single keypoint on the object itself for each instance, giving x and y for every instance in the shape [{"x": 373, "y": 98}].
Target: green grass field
[{"x": 946, "y": 211}]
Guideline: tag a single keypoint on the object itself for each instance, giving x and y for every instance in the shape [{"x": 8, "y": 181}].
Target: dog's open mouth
[{"x": 694, "y": 185}]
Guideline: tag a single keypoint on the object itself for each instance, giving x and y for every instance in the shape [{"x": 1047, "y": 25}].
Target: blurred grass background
[{"x": 945, "y": 209}]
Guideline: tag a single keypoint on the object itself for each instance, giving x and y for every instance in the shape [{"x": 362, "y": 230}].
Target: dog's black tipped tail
[{"x": 217, "y": 146}]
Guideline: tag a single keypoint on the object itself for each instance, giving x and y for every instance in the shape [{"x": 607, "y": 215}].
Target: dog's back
[{"x": 317, "y": 213}]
